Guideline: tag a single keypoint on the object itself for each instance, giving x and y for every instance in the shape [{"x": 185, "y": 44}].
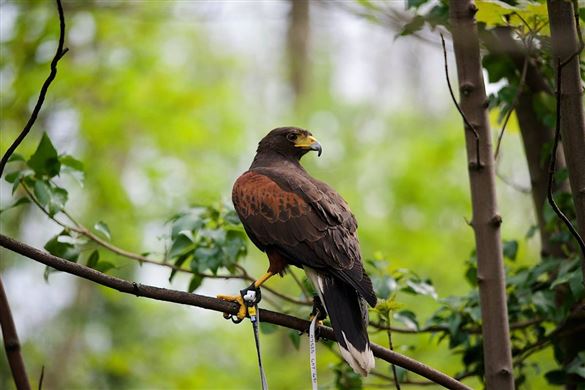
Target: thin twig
[
  {"x": 41, "y": 378},
  {"x": 553, "y": 158},
  {"x": 518, "y": 187},
  {"x": 512, "y": 106},
  {"x": 389, "y": 333},
  {"x": 467, "y": 123},
  {"x": 33, "y": 117},
  {"x": 436, "y": 329},
  {"x": 185, "y": 298}
]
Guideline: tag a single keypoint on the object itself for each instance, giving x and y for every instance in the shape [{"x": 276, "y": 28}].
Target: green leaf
[
  {"x": 16, "y": 157},
  {"x": 576, "y": 285},
  {"x": 191, "y": 221},
  {"x": 179, "y": 262},
  {"x": 195, "y": 282},
  {"x": 60, "y": 249},
  {"x": 103, "y": 228},
  {"x": 45, "y": 161},
  {"x": 72, "y": 166},
  {"x": 493, "y": 12},
  {"x": 93, "y": 259},
  {"x": 19, "y": 201},
  {"x": 415, "y": 3},
  {"x": 267, "y": 328},
  {"x": 206, "y": 258},
  {"x": 577, "y": 367},
  {"x": 510, "y": 249},
  {"x": 413, "y": 26},
  {"x": 531, "y": 231},
  {"x": 408, "y": 318},
  {"x": 58, "y": 199},
  {"x": 104, "y": 266},
  {"x": 295, "y": 338},
  {"x": 420, "y": 288},
  {"x": 556, "y": 377},
  {"x": 42, "y": 192},
  {"x": 180, "y": 245}
]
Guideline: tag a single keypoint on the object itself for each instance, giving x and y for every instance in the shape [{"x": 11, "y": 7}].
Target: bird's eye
[{"x": 291, "y": 137}]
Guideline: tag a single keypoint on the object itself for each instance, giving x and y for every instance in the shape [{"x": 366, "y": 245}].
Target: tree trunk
[
  {"x": 486, "y": 220},
  {"x": 298, "y": 39},
  {"x": 565, "y": 44}
]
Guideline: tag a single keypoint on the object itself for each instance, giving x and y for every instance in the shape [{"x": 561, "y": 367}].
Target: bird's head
[{"x": 290, "y": 142}]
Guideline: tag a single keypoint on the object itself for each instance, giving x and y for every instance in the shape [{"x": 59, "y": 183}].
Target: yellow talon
[
  {"x": 239, "y": 300},
  {"x": 319, "y": 322}
]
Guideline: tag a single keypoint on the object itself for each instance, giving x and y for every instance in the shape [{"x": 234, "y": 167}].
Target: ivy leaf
[
  {"x": 93, "y": 259},
  {"x": 19, "y": 201},
  {"x": 103, "y": 228},
  {"x": 45, "y": 160}
]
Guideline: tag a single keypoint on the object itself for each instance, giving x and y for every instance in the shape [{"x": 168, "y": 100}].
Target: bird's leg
[
  {"x": 318, "y": 310},
  {"x": 240, "y": 299}
]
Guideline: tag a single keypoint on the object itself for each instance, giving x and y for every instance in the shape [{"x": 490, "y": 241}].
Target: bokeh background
[{"x": 164, "y": 102}]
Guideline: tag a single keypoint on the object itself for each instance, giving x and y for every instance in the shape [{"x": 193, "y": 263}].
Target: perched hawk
[{"x": 298, "y": 220}]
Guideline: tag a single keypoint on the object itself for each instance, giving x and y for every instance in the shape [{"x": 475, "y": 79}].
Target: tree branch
[
  {"x": 162, "y": 294},
  {"x": 11, "y": 343}
]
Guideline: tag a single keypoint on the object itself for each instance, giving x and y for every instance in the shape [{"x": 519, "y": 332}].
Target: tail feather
[{"x": 349, "y": 318}]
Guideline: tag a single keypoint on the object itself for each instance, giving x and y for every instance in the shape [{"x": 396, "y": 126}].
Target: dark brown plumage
[{"x": 301, "y": 221}]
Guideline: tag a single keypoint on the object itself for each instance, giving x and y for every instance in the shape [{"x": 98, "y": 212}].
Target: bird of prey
[{"x": 298, "y": 220}]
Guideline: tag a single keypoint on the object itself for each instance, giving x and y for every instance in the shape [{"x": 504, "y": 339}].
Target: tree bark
[
  {"x": 486, "y": 220},
  {"x": 565, "y": 43},
  {"x": 298, "y": 41}
]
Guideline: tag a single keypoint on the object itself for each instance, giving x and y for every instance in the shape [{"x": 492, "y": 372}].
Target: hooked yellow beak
[{"x": 309, "y": 142}]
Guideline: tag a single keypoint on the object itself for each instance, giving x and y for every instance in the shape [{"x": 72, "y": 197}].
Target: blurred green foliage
[{"x": 164, "y": 116}]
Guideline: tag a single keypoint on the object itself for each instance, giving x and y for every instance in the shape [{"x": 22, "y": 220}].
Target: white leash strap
[
  {"x": 313, "y": 353},
  {"x": 255, "y": 319}
]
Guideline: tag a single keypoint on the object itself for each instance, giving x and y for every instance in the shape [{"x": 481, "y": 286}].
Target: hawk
[{"x": 301, "y": 221}]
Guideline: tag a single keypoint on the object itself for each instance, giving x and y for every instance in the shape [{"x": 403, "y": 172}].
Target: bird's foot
[
  {"x": 249, "y": 297},
  {"x": 319, "y": 312}
]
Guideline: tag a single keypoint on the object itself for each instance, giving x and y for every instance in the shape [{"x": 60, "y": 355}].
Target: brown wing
[{"x": 306, "y": 220}]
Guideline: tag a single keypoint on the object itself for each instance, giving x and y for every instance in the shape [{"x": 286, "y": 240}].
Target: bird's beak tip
[{"x": 316, "y": 146}]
